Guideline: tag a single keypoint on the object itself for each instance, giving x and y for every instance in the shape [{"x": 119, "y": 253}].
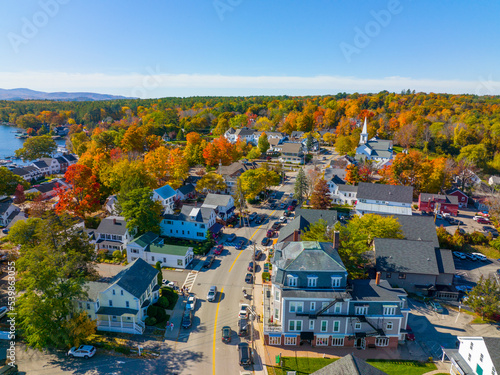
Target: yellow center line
[{"x": 215, "y": 330}]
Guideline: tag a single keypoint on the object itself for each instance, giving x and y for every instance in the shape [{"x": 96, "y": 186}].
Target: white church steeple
[{"x": 363, "y": 138}]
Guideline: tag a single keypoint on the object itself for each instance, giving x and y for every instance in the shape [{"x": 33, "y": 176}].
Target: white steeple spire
[{"x": 363, "y": 138}]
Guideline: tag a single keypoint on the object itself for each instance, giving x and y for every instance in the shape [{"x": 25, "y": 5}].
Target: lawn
[
  {"x": 304, "y": 366},
  {"x": 488, "y": 251}
]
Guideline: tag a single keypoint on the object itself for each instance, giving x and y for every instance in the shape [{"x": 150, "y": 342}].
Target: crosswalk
[
  {"x": 257, "y": 247},
  {"x": 189, "y": 282}
]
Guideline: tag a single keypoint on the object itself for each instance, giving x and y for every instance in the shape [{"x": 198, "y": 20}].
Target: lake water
[{"x": 9, "y": 143}]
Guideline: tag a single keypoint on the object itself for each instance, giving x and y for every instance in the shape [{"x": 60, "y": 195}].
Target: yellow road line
[{"x": 215, "y": 330}]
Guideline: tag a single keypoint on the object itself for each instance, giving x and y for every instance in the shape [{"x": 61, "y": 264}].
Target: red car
[
  {"x": 409, "y": 334},
  {"x": 483, "y": 221},
  {"x": 270, "y": 233},
  {"x": 218, "y": 249}
]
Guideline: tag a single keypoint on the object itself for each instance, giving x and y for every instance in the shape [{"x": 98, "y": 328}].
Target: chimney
[
  {"x": 114, "y": 221},
  {"x": 377, "y": 278},
  {"x": 336, "y": 239},
  {"x": 295, "y": 235}
]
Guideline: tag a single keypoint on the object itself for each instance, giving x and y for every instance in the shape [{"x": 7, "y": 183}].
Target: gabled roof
[
  {"x": 243, "y": 132},
  {"x": 297, "y": 134},
  {"x": 493, "y": 346},
  {"x": 4, "y": 206},
  {"x": 417, "y": 228},
  {"x": 93, "y": 288},
  {"x": 368, "y": 290},
  {"x": 298, "y": 223},
  {"x": 136, "y": 277},
  {"x": 235, "y": 169},
  {"x": 216, "y": 200},
  {"x": 390, "y": 193},
  {"x": 61, "y": 160},
  {"x": 48, "y": 186},
  {"x": 348, "y": 188},
  {"x": 291, "y": 147},
  {"x": 451, "y": 199},
  {"x": 312, "y": 216},
  {"x": 20, "y": 171},
  {"x": 404, "y": 256},
  {"x": 145, "y": 239},
  {"x": 445, "y": 261},
  {"x": 113, "y": 225},
  {"x": 192, "y": 214},
  {"x": 349, "y": 365},
  {"x": 70, "y": 157},
  {"x": 40, "y": 164},
  {"x": 186, "y": 189},
  {"x": 331, "y": 173},
  {"x": 165, "y": 192}
]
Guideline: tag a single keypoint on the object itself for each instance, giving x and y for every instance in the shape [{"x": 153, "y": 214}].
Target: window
[
  {"x": 202, "y": 226},
  {"x": 182, "y": 232},
  {"x": 313, "y": 306},
  {"x": 169, "y": 221},
  {"x": 114, "y": 292},
  {"x": 382, "y": 341},
  {"x": 470, "y": 356},
  {"x": 387, "y": 275},
  {"x": 338, "y": 308},
  {"x": 357, "y": 326},
  {"x": 274, "y": 340},
  {"x": 324, "y": 325},
  {"x": 291, "y": 340},
  {"x": 321, "y": 341},
  {"x": 388, "y": 325},
  {"x": 295, "y": 325},
  {"x": 336, "y": 326},
  {"x": 88, "y": 306},
  {"x": 292, "y": 280},
  {"x": 402, "y": 276},
  {"x": 471, "y": 345},
  {"x": 336, "y": 281},
  {"x": 135, "y": 251},
  {"x": 164, "y": 260},
  {"x": 296, "y": 307},
  {"x": 121, "y": 292},
  {"x": 361, "y": 310},
  {"x": 199, "y": 234},
  {"x": 179, "y": 262},
  {"x": 481, "y": 358},
  {"x": 110, "y": 303},
  {"x": 277, "y": 295},
  {"x": 127, "y": 304},
  {"x": 312, "y": 281},
  {"x": 389, "y": 310},
  {"x": 311, "y": 325},
  {"x": 276, "y": 314},
  {"x": 80, "y": 305},
  {"x": 337, "y": 341}
]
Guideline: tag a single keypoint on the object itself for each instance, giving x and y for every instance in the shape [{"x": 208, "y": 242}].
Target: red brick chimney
[
  {"x": 114, "y": 221},
  {"x": 295, "y": 235},
  {"x": 377, "y": 278}
]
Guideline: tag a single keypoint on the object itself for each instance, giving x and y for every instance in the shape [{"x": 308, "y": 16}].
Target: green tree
[
  {"x": 317, "y": 231},
  {"x": 320, "y": 197},
  {"x": 212, "y": 182},
  {"x": 301, "y": 187},
  {"x": 254, "y": 181},
  {"x": 37, "y": 147},
  {"x": 141, "y": 211},
  {"x": 52, "y": 268},
  {"x": 484, "y": 298},
  {"x": 24, "y": 232},
  {"x": 240, "y": 202},
  {"x": 9, "y": 182},
  {"x": 159, "y": 277},
  {"x": 476, "y": 154},
  {"x": 263, "y": 143},
  {"x": 356, "y": 238},
  {"x": 254, "y": 153},
  {"x": 180, "y": 136}
]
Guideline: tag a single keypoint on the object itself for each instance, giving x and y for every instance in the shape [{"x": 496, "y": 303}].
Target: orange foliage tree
[{"x": 219, "y": 150}]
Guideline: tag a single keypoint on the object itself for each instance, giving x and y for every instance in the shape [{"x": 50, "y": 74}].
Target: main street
[{"x": 227, "y": 273}]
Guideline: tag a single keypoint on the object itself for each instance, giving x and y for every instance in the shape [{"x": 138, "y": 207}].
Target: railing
[{"x": 127, "y": 327}]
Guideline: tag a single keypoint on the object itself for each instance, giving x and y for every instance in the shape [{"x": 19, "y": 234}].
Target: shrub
[
  {"x": 266, "y": 276},
  {"x": 170, "y": 294},
  {"x": 117, "y": 254},
  {"x": 163, "y": 302},
  {"x": 161, "y": 315},
  {"x": 477, "y": 238},
  {"x": 496, "y": 243},
  {"x": 150, "y": 321},
  {"x": 102, "y": 254}
]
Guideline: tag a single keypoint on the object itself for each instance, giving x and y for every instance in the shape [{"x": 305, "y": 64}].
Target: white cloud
[{"x": 157, "y": 84}]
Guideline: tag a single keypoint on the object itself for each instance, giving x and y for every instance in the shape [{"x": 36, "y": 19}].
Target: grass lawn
[
  {"x": 488, "y": 251},
  {"x": 304, "y": 365}
]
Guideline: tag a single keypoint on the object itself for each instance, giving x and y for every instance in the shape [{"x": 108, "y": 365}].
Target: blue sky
[{"x": 250, "y": 47}]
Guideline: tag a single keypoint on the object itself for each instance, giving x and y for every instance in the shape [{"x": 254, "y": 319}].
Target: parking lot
[{"x": 468, "y": 272}]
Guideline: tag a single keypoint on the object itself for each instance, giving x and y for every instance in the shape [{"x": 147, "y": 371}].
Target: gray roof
[
  {"x": 390, "y": 193},
  {"x": 20, "y": 171},
  {"x": 349, "y": 365},
  {"x": 395, "y": 255},
  {"x": 4, "y": 206},
  {"x": 20, "y": 216},
  {"x": 192, "y": 214},
  {"x": 48, "y": 186},
  {"x": 377, "y": 147},
  {"x": 40, "y": 164},
  {"x": 70, "y": 157},
  {"x": 418, "y": 228},
  {"x": 216, "y": 200},
  {"x": 135, "y": 277},
  {"x": 348, "y": 188},
  {"x": 454, "y": 355},
  {"x": 451, "y": 199},
  {"x": 493, "y": 346},
  {"x": 61, "y": 160},
  {"x": 297, "y": 134},
  {"x": 113, "y": 225},
  {"x": 445, "y": 261},
  {"x": 298, "y": 223},
  {"x": 236, "y": 168},
  {"x": 304, "y": 218},
  {"x": 186, "y": 189},
  {"x": 368, "y": 290},
  {"x": 291, "y": 147},
  {"x": 93, "y": 288},
  {"x": 244, "y": 132}
]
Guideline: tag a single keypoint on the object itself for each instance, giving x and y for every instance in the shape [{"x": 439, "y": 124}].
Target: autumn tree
[
  {"x": 220, "y": 150},
  {"x": 83, "y": 195},
  {"x": 167, "y": 166},
  {"x": 193, "y": 152},
  {"x": 212, "y": 182},
  {"x": 254, "y": 154},
  {"x": 143, "y": 214},
  {"x": 254, "y": 181},
  {"x": 313, "y": 176},
  {"x": 320, "y": 198},
  {"x": 133, "y": 140},
  {"x": 263, "y": 143},
  {"x": 37, "y": 147},
  {"x": 10, "y": 181},
  {"x": 329, "y": 138},
  {"x": 19, "y": 195}
]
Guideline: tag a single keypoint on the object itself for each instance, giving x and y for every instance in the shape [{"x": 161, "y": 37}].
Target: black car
[
  {"x": 242, "y": 327},
  {"x": 265, "y": 241},
  {"x": 260, "y": 219},
  {"x": 245, "y": 354},
  {"x": 257, "y": 254},
  {"x": 187, "y": 319},
  {"x": 226, "y": 334},
  {"x": 276, "y": 225},
  {"x": 250, "y": 267},
  {"x": 249, "y": 278},
  {"x": 208, "y": 262}
]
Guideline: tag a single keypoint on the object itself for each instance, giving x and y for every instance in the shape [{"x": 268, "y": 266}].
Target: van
[
  {"x": 245, "y": 354},
  {"x": 242, "y": 327}
]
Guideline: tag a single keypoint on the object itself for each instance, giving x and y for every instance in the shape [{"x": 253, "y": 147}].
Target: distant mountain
[{"x": 22, "y": 94}]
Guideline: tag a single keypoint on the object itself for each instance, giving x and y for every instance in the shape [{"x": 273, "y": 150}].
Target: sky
[{"x": 159, "y": 48}]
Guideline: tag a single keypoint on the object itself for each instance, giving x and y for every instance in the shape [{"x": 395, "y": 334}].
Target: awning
[
  {"x": 216, "y": 228},
  {"x": 307, "y": 335},
  {"x": 290, "y": 335},
  {"x": 274, "y": 334}
]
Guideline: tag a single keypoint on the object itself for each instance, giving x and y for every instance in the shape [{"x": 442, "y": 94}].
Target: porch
[{"x": 119, "y": 319}]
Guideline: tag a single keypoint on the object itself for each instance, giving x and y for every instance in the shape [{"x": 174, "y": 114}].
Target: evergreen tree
[
  {"x": 484, "y": 298},
  {"x": 180, "y": 136},
  {"x": 300, "y": 188},
  {"x": 160, "y": 275}
]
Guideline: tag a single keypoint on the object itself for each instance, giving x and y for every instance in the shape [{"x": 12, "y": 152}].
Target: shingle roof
[
  {"x": 348, "y": 188},
  {"x": 298, "y": 223},
  {"x": 186, "y": 189},
  {"x": 445, "y": 261},
  {"x": 165, "y": 192},
  {"x": 368, "y": 290},
  {"x": 390, "y": 193},
  {"x": 40, "y": 164},
  {"x": 4, "y": 206},
  {"x": 20, "y": 171},
  {"x": 243, "y": 132},
  {"x": 395, "y": 255},
  {"x": 93, "y": 288},
  {"x": 451, "y": 199},
  {"x": 418, "y": 228},
  {"x": 236, "y": 168},
  {"x": 216, "y": 200},
  {"x": 291, "y": 147},
  {"x": 113, "y": 225},
  {"x": 136, "y": 277},
  {"x": 349, "y": 365},
  {"x": 46, "y": 187},
  {"x": 303, "y": 220},
  {"x": 297, "y": 134},
  {"x": 145, "y": 239},
  {"x": 70, "y": 157},
  {"x": 493, "y": 346}
]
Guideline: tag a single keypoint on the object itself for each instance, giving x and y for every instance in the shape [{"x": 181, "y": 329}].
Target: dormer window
[
  {"x": 292, "y": 280},
  {"x": 336, "y": 281},
  {"x": 312, "y": 281}
]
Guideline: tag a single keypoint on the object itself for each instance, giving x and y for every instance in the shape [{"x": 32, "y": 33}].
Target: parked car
[
  {"x": 242, "y": 327},
  {"x": 226, "y": 334},
  {"x": 208, "y": 262},
  {"x": 212, "y": 293},
  {"x": 410, "y": 336},
  {"x": 265, "y": 241},
  {"x": 257, "y": 255},
  {"x": 231, "y": 237},
  {"x": 5, "y": 231},
  {"x": 459, "y": 255},
  {"x": 288, "y": 213},
  {"x": 471, "y": 257},
  {"x": 83, "y": 351},
  {"x": 250, "y": 266},
  {"x": 483, "y": 221},
  {"x": 187, "y": 319},
  {"x": 245, "y": 354},
  {"x": 191, "y": 303},
  {"x": 290, "y": 195},
  {"x": 480, "y": 256},
  {"x": 436, "y": 306},
  {"x": 248, "y": 278},
  {"x": 243, "y": 314},
  {"x": 282, "y": 205},
  {"x": 476, "y": 218},
  {"x": 260, "y": 219},
  {"x": 218, "y": 249},
  {"x": 252, "y": 216},
  {"x": 270, "y": 233},
  {"x": 488, "y": 229},
  {"x": 463, "y": 288},
  {"x": 276, "y": 225},
  {"x": 240, "y": 244},
  {"x": 282, "y": 219}
]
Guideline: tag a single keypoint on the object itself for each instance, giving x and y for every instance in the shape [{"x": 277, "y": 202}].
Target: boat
[{"x": 8, "y": 157}]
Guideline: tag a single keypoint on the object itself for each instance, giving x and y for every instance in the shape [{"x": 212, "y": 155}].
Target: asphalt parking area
[{"x": 469, "y": 272}]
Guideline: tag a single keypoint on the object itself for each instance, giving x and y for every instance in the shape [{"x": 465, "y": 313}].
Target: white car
[
  {"x": 191, "y": 303},
  {"x": 480, "y": 256},
  {"x": 476, "y": 218},
  {"x": 83, "y": 351},
  {"x": 3, "y": 311},
  {"x": 459, "y": 255},
  {"x": 243, "y": 314},
  {"x": 282, "y": 219}
]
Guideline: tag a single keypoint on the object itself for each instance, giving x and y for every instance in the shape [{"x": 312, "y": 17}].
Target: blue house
[
  {"x": 166, "y": 196},
  {"x": 192, "y": 223}
]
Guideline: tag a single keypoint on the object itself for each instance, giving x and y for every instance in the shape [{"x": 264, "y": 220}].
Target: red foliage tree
[{"x": 19, "y": 194}]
